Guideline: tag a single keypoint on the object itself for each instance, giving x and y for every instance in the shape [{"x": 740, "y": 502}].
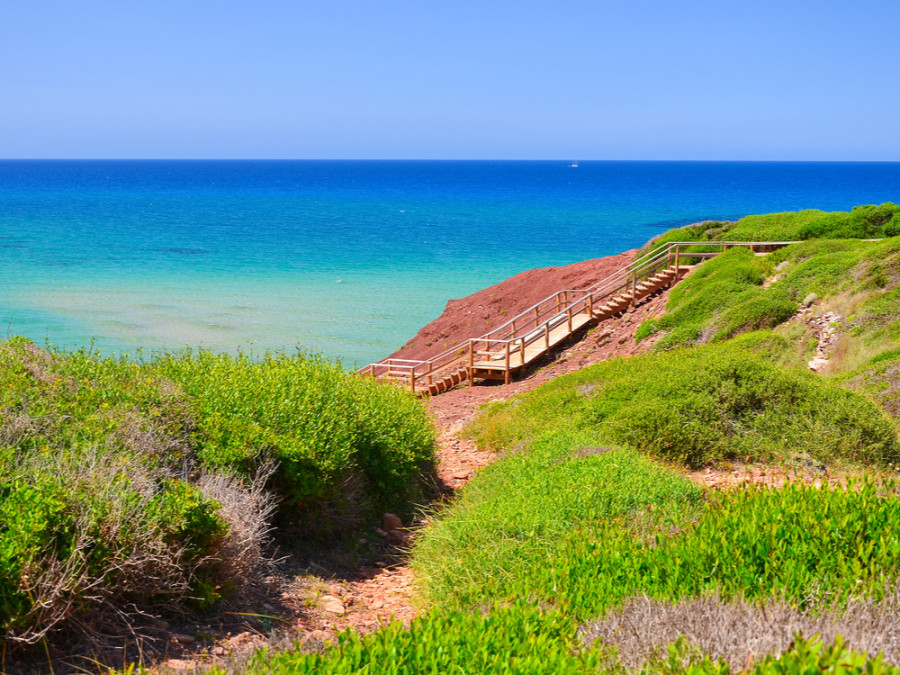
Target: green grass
[
  {"x": 720, "y": 299},
  {"x": 495, "y": 536},
  {"x": 789, "y": 543}
]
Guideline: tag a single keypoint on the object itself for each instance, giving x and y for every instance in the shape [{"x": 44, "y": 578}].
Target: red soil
[{"x": 487, "y": 309}]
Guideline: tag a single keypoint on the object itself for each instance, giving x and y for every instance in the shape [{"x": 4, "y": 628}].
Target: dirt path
[{"x": 314, "y": 606}]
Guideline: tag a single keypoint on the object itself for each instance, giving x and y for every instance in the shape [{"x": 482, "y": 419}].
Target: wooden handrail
[{"x": 527, "y": 327}]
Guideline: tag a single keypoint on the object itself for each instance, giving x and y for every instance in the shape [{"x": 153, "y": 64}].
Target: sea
[{"x": 344, "y": 258}]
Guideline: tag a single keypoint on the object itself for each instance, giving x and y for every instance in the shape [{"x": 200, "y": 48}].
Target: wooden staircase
[{"x": 498, "y": 355}]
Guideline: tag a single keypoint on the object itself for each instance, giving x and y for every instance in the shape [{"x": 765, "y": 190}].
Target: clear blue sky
[{"x": 591, "y": 79}]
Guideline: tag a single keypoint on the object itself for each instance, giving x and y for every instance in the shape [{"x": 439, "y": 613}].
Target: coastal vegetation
[
  {"x": 151, "y": 485},
  {"x": 561, "y": 555},
  {"x": 558, "y": 556}
]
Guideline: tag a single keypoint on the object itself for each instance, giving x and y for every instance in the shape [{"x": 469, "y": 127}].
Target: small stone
[
  {"x": 381, "y": 533},
  {"x": 363, "y": 541},
  {"x": 331, "y": 604},
  {"x": 390, "y": 522},
  {"x": 398, "y": 537},
  {"x": 219, "y": 651},
  {"x": 183, "y": 639},
  {"x": 810, "y": 299}
]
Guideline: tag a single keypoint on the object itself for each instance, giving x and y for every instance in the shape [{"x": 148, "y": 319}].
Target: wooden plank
[{"x": 534, "y": 350}]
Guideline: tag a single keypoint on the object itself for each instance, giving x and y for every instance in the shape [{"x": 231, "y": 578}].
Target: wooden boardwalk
[{"x": 525, "y": 338}]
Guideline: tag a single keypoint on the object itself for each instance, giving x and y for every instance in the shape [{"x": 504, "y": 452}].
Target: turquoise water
[{"x": 347, "y": 258}]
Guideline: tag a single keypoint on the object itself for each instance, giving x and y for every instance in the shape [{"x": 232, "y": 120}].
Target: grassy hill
[{"x": 563, "y": 554}]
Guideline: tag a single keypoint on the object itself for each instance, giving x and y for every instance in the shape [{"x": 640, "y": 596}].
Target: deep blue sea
[{"x": 348, "y": 258}]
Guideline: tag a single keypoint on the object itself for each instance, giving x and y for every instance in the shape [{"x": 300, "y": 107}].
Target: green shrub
[
  {"x": 98, "y": 458},
  {"x": 720, "y": 299},
  {"x": 700, "y": 405},
  {"x": 82, "y": 535},
  {"x": 318, "y": 423},
  {"x": 862, "y": 222}
]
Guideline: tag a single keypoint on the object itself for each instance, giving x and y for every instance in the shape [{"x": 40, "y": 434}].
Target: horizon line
[{"x": 435, "y": 159}]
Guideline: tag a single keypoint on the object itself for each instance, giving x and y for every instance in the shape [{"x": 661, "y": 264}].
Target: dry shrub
[
  {"x": 14, "y": 427},
  {"x": 738, "y": 632},
  {"x": 248, "y": 511},
  {"x": 113, "y": 597}
]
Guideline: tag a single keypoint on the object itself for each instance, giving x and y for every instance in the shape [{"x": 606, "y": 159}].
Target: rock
[
  {"x": 398, "y": 537},
  {"x": 331, "y": 604},
  {"x": 816, "y": 363},
  {"x": 219, "y": 651},
  {"x": 183, "y": 639},
  {"x": 390, "y": 522},
  {"x": 810, "y": 299},
  {"x": 381, "y": 533}
]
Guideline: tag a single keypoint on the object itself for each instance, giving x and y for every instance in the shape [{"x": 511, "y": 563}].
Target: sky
[{"x": 396, "y": 79}]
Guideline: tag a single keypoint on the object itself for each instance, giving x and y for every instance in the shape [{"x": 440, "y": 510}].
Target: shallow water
[{"x": 347, "y": 258}]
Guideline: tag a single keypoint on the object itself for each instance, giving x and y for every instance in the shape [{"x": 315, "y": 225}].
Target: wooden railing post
[
  {"x": 522, "y": 348},
  {"x": 633, "y": 287},
  {"x": 569, "y": 312},
  {"x": 546, "y": 336},
  {"x": 591, "y": 306},
  {"x": 537, "y": 317},
  {"x": 430, "y": 368},
  {"x": 677, "y": 262},
  {"x": 506, "y": 365},
  {"x": 412, "y": 379},
  {"x": 471, "y": 363}
]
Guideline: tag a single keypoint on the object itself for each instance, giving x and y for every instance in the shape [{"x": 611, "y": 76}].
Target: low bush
[
  {"x": 85, "y": 535},
  {"x": 130, "y": 486},
  {"x": 802, "y": 657},
  {"x": 700, "y": 405},
  {"x": 737, "y": 631},
  {"x": 319, "y": 425},
  {"x": 861, "y": 222}
]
